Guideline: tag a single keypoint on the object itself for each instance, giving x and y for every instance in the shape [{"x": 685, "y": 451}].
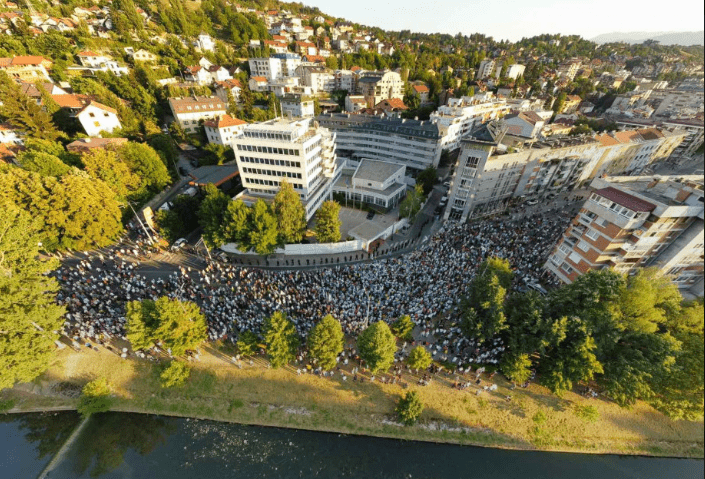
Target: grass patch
[
  {"x": 529, "y": 421},
  {"x": 6, "y": 405}
]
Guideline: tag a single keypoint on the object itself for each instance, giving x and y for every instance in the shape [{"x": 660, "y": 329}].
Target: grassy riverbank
[{"x": 533, "y": 419}]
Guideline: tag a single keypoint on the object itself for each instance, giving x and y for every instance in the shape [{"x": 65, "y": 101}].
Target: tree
[
  {"x": 560, "y": 102},
  {"x": 325, "y": 342},
  {"x": 74, "y": 211},
  {"x": 571, "y": 360},
  {"x": 211, "y": 214},
  {"x": 29, "y": 316},
  {"x": 146, "y": 163},
  {"x": 43, "y": 163},
  {"x": 427, "y": 178},
  {"x": 377, "y": 346},
  {"x": 419, "y": 358},
  {"x": 328, "y": 222},
  {"x": 175, "y": 375},
  {"x": 247, "y": 343},
  {"x": 95, "y": 398},
  {"x": 281, "y": 339},
  {"x": 104, "y": 164},
  {"x": 21, "y": 111},
  {"x": 409, "y": 408},
  {"x": 177, "y": 326},
  {"x": 516, "y": 367},
  {"x": 290, "y": 213},
  {"x": 411, "y": 205},
  {"x": 262, "y": 229},
  {"x": 236, "y": 224},
  {"x": 403, "y": 327}
]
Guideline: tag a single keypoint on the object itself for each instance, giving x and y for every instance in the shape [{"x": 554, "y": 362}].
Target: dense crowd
[{"x": 423, "y": 284}]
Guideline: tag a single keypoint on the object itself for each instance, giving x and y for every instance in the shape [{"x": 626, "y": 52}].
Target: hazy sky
[{"x": 514, "y": 19}]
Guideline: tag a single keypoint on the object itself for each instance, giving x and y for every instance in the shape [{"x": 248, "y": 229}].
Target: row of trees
[
  {"x": 263, "y": 227},
  {"x": 630, "y": 334}
]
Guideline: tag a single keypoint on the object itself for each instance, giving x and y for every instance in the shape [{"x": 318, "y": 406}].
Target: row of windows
[
  {"x": 617, "y": 208},
  {"x": 271, "y": 162},
  {"x": 257, "y": 181},
  {"x": 267, "y": 135},
  {"x": 257, "y": 171},
  {"x": 268, "y": 149}
]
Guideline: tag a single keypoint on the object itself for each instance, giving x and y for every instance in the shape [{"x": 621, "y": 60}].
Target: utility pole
[{"x": 141, "y": 224}]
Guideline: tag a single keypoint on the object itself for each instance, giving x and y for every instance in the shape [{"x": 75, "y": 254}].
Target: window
[
  {"x": 602, "y": 222},
  {"x": 592, "y": 234},
  {"x": 583, "y": 246}
]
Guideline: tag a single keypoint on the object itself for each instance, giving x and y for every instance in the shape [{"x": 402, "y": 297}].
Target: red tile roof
[
  {"x": 420, "y": 88},
  {"x": 393, "y": 103},
  {"x": 224, "y": 121},
  {"x": 71, "y": 101},
  {"x": 86, "y": 144},
  {"x": 100, "y": 106},
  {"x": 259, "y": 79},
  {"x": 88, "y": 53},
  {"x": 625, "y": 199}
]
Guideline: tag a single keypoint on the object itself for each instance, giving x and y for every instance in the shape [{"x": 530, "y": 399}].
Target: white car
[
  {"x": 447, "y": 184},
  {"x": 178, "y": 244},
  {"x": 532, "y": 202}
]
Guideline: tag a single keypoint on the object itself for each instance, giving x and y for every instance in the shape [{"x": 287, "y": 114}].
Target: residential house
[
  {"x": 96, "y": 118},
  {"x": 297, "y": 106},
  {"x": 228, "y": 88},
  {"x": 221, "y": 130},
  {"x": 205, "y": 43},
  {"x": 258, "y": 84},
  {"x": 27, "y": 68},
  {"x": 85, "y": 145},
  {"x": 422, "y": 91},
  {"x": 189, "y": 111},
  {"x": 526, "y": 124}
]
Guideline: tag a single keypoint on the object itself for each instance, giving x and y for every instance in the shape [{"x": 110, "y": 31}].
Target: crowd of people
[{"x": 424, "y": 284}]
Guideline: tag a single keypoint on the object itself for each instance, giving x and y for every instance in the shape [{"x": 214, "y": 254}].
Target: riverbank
[{"x": 534, "y": 419}]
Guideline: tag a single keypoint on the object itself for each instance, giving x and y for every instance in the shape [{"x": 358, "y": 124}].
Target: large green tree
[
  {"x": 176, "y": 325},
  {"x": 281, "y": 339},
  {"x": 419, "y": 358},
  {"x": 146, "y": 163},
  {"x": 262, "y": 229},
  {"x": 325, "y": 342},
  {"x": 411, "y": 204},
  {"x": 29, "y": 317},
  {"x": 328, "y": 222},
  {"x": 236, "y": 224},
  {"x": 377, "y": 346},
  {"x": 74, "y": 211},
  {"x": 104, "y": 164},
  {"x": 290, "y": 213},
  {"x": 211, "y": 216}
]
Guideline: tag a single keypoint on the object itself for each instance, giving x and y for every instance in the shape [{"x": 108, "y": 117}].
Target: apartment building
[
  {"x": 488, "y": 174},
  {"x": 485, "y": 69},
  {"x": 457, "y": 118},
  {"x": 190, "y": 111},
  {"x": 27, "y": 68},
  {"x": 515, "y": 71},
  {"x": 694, "y": 130},
  {"x": 412, "y": 143},
  {"x": 297, "y": 106},
  {"x": 320, "y": 79},
  {"x": 632, "y": 222},
  {"x": 568, "y": 69},
  {"x": 298, "y": 151},
  {"x": 380, "y": 85}
]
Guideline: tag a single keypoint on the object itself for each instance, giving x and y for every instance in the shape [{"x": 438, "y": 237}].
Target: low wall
[{"x": 304, "y": 249}]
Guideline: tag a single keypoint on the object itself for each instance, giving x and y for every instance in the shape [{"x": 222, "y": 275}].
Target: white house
[
  {"x": 141, "y": 55},
  {"x": 91, "y": 59},
  {"x": 297, "y": 107},
  {"x": 96, "y": 118},
  {"x": 526, "y": 124},
  {"x": 258, "y": 84},
  {"x": 219, "y": 73},
  {"x": 190, "y": 110},
  {"x": 197, "y": 74},
  {"x": 225, "y": 87},
  {"x": 222, "y": 129},
  {"x": 205, "y": 43}
]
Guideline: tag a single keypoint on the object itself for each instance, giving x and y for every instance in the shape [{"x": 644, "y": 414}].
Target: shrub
[
  {"x": 95, "y": 397},
  {"x": 587, "y": 413},
  {"x": 409, "y": 408}
]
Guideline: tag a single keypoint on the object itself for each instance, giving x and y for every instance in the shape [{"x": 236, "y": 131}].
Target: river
[{"x": 134, "y": 446}]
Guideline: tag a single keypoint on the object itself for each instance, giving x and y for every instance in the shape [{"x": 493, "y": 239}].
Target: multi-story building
[
  {"x": 488, "y": 173},
  {"x": 693, "y": 128},
  {"x": 190, "y": 111},
  {"x": 345, "y": 80},
  {"x": 269, "y": 68},
  {"x": 27, "y": 68},
  {"x": 378, "y": 183},
  {"x": 297, "y": 151},
  {"x": 380, "y": 85},
  {"x": 568, "y": 69},
  {"x": 320, "y": 79},
  {"x": 681, "y": 103},
  {"x": 515, "y": 71},
  {"x": 457, "y": 118},
  {"x": 485, "y": 69},
  {"x": 412, "y": 143},
  {"x": 631, "y": 222},
  {"x": 297, "y": 106}
]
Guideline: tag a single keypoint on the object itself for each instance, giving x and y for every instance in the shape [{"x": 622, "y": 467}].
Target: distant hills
[{"x": 665, "y": 38}]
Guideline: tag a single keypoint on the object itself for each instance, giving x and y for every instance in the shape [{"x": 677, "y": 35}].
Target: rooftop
[
  {"x": 373, "y": 170},
  {"x": 204, "y": 103},
  {"x": 625, "y": 199},
  {"x": 213, "y": 174}
]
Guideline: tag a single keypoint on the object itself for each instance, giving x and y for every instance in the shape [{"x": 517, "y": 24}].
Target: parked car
[
  {"x": 370, "y": 215},
  {"x": 444, "y": 200},
  {"x": 447, "y": 184},
  {"x": 178, "y": 244},
  {"x": 532, "y": 202},
  {"x": 537, "y": 287}
]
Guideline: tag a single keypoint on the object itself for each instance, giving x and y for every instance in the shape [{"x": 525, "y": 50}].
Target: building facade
[
  {"x": 297, "y": 151},
  {"x": 633, "y": 222},
  {"x": 190, "y": 111}
]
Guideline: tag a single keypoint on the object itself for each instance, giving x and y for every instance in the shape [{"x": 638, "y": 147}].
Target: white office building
[{"x": 297, "y": 151}]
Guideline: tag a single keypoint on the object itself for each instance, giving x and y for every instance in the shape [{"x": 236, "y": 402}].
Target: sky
[{"x": 514, "y": 19}]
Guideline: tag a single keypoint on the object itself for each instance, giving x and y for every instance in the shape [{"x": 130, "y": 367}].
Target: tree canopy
[
  {"x": 290, "y": 213},
  {"x": 377, "y": 346},
  {"x": 175, "y": 325},
  {"x": 325, "y": 342},
  {"x": 328, "y": 222},
  {"x": 281, "y": 339}
]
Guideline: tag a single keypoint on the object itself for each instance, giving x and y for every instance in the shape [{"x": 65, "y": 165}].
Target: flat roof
[
  {"x": 374, "y": 170},
  {"x": 213, "y": 174},
  {"x": 625, "y": 199}
]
